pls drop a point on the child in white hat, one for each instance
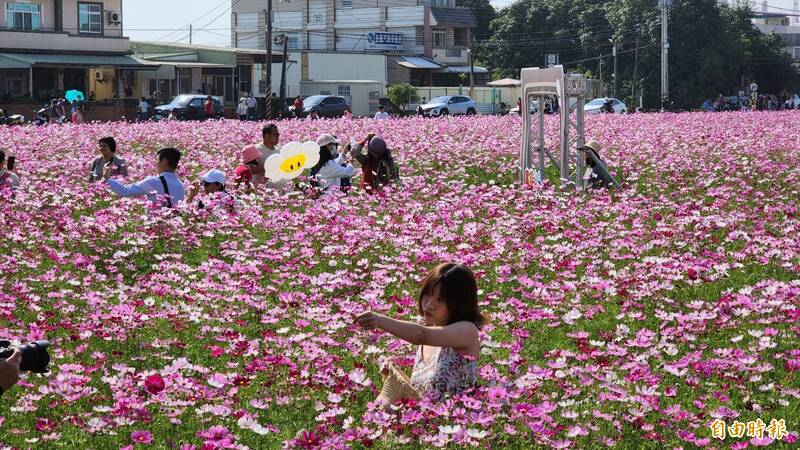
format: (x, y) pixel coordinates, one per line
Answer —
(213, 184)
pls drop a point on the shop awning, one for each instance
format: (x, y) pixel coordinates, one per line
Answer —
(463, 69)
(416, 62)
(26, 60)
(187, 64)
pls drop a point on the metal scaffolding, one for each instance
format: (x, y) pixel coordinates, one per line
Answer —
(570, 90)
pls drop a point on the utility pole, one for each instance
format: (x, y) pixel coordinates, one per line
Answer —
(616, 74)
(600, 69)
(664, 52)
(283, 70)
(268, 92)
(471, 73)
(190, 34)
(635, 70)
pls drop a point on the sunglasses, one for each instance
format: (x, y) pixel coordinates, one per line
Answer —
(252, 163)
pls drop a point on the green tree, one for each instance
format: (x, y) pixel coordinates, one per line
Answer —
(484, 13)
(713, 48)
(402, 94)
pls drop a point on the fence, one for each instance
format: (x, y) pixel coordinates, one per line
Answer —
(487, 98)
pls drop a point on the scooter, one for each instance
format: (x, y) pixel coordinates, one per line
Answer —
(14, 119)
(42, 118)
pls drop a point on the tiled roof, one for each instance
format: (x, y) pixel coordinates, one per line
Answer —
(462, 17)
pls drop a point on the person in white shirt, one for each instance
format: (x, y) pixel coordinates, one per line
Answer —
(8, 179)
(142, 109)
(382, 114)
(333, 166)
(270, 136)
(218, 200)
(252, 103)
(166, 186)
(241, 109)
(269, 141)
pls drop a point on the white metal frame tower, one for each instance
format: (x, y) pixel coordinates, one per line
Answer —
(570, 90)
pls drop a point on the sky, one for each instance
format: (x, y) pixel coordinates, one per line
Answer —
(168, 20)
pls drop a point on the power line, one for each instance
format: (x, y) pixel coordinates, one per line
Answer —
(195, 20)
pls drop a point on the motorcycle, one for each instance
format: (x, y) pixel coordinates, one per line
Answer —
(13, 119)
(42, 117)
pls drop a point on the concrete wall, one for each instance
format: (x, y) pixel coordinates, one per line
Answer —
(327, 66)
(343, 66)
(17, 41)
(363, 97)
(47, 14)
(68, 40)
(71, 16)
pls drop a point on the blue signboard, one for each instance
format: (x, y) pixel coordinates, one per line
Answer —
(384, 41)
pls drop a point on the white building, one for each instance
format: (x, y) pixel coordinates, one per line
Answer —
(421, 42)
(780, 24)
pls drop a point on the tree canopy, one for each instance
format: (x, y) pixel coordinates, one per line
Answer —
(713, 48)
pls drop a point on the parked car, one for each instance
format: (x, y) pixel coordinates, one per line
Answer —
(450, 105)
(189, 107)
(596, 106)
(325, 105)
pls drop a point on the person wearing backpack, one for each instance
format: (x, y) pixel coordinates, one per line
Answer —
(377, 164)
(166, 185)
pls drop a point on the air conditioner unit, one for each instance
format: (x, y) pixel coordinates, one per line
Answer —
(114, 18)
(98, 75)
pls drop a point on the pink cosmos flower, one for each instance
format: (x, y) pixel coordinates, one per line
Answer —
(154, 384)
(142, 437)
(763, 442)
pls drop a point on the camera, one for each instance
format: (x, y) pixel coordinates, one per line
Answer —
(34, 355)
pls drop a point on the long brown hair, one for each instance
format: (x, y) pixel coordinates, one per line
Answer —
(458, 289)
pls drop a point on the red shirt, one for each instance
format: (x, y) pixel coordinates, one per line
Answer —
(209, 108)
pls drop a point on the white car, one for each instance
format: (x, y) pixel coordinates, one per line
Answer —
(596, 106)
(450, 105)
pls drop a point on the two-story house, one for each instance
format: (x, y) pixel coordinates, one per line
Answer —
(50, 46)
(422, 42)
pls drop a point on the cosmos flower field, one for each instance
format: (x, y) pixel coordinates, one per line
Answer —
(627, 319)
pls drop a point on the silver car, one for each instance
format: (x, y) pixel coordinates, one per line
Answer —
(450, 105)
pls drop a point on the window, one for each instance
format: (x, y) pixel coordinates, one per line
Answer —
(343, 90)
(90, 18)
(317, 18)
(347, 3)
(24, 16)
(439, 37)
(797, 53)
(294, 41)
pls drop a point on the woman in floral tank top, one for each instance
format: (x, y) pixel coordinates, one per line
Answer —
(446, 360)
